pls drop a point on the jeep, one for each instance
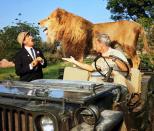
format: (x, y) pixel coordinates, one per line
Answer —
(75, 105)
(59, 105)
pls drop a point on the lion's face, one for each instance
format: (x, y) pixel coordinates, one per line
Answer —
(51, 23)
(47, 25)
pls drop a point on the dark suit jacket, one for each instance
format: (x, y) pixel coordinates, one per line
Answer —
(22, 61)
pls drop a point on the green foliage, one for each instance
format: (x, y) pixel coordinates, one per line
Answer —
(146, 22)
(52, 71)
(147, 60)
(52, 58)
(141, 11)
(8, 73)
(151, 36)
(51, 53)
(131, 9)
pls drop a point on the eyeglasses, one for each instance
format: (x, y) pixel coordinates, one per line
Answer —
(27, 35)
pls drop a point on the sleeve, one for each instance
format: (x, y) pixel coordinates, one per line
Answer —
(120, 55)
(44, 64)
(20, 67)
(101, 64)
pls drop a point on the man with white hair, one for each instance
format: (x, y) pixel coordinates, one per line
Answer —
(29, 61)
(113, 57)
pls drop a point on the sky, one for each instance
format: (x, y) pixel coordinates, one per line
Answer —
(34, 10)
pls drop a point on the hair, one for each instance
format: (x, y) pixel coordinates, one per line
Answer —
(104, 38)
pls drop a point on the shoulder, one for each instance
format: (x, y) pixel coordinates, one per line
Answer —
(119, 54)
(116, 52)
(21, 51)
(37, 49)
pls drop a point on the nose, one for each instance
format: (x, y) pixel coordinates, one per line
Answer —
(38, 23)
(45, 29)
(94, 46)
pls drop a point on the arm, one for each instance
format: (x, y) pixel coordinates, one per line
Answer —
(120, 60)
(79, 64)
(122, 66)
(20, 67)
(41, 59)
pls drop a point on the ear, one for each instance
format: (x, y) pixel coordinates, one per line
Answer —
(96, 32)
(59, 13)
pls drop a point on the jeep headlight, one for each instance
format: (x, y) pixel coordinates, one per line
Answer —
(90, 115)
(46, 123)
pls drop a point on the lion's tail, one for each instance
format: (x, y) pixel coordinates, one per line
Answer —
(145, 42)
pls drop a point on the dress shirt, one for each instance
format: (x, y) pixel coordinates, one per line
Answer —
(29, 51)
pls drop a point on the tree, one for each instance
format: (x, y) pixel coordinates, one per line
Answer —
(142, 10)
(8, 36)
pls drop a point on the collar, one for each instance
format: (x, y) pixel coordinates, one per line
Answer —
(107, 53)
(27, 47)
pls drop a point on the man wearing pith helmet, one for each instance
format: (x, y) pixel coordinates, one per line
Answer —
(29, 61)
(21, 36)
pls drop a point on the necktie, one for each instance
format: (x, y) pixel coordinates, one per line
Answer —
(32, 51)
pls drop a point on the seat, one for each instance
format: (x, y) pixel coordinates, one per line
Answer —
(133, 85)
(73, 73)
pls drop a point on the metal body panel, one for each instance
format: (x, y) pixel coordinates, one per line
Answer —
(25, 103)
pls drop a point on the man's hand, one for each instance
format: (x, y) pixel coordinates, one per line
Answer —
(71, 59)
(39, 59)
(34, 63)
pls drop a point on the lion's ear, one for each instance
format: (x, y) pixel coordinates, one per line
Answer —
(59, 14)
(58, 17)
(96, 32)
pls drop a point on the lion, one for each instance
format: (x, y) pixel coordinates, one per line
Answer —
(77, 34)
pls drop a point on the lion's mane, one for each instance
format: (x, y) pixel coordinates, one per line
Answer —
(73, 31)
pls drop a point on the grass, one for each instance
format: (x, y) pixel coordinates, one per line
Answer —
(50, 72)
(8, 73)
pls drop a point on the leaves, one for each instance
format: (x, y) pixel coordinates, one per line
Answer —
(131, 9)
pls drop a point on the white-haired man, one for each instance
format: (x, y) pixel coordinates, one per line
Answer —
(114, 58)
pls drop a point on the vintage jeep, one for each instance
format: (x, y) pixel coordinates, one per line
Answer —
(75, 105)
(60, 105)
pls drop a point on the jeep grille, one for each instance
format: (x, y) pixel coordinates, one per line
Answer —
(15, 120)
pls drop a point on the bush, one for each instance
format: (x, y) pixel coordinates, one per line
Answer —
(52, 58)
(148, 60)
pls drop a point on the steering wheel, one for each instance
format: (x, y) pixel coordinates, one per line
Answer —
(107, 76)
(128, 70)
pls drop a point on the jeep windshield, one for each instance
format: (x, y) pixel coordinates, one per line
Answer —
(55, 90)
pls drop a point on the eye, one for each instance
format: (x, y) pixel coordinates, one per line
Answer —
(48, 18)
